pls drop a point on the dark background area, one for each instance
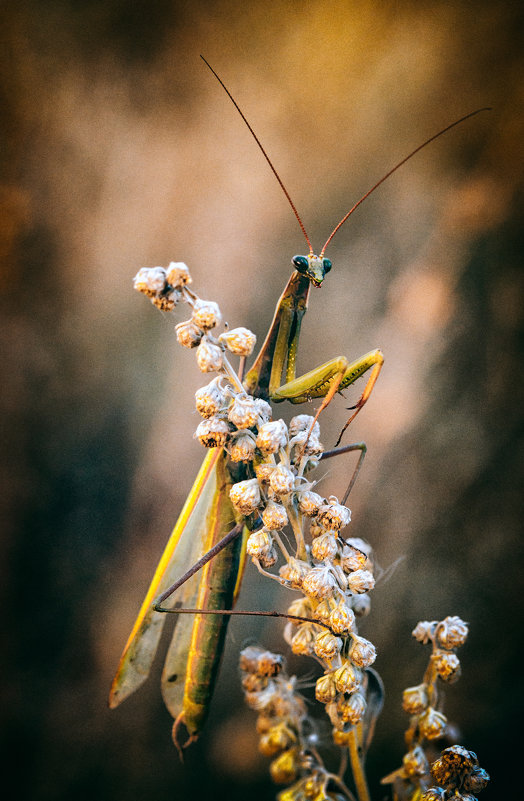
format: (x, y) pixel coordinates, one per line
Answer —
(119, 150)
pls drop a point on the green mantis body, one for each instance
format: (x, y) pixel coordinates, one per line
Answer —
(194, 655)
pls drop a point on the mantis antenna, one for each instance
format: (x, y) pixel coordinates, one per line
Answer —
(367, 194)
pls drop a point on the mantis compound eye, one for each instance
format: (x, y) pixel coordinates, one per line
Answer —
(327, 265)
(301, 263)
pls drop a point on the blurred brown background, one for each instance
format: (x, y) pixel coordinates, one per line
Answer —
(120, 150)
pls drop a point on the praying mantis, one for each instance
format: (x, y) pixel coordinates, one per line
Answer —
(208, 525)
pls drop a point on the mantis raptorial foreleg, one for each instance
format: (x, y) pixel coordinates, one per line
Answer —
(328, 379)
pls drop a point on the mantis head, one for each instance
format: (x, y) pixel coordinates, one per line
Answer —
(314, 267)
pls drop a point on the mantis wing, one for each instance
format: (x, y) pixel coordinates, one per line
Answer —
(185, 546)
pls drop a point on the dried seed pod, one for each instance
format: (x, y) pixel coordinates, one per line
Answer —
(325, 689)
(360, 581)
(352, 709)
(213, 432)
(453, 765)
(326, 645)
(347, 678)
(315, 529)
(243, 411)
(424, 631)
(447, 665)
(239, 341)
(177, 274)
(269, 664)
(243, 448)
(206, 314)
(309, 502)
(324, 547)
(209, 356)
(150, 281)
(274, 516)
(362, 652)
(303, 422)
(342, 619)
(415, 762)
(432, 724)
(245, 496)
(333, 515)
(415, 699)
(282, 480)
(187, 334)
(434, 794)
(272, 436)
(452, 632)
(324, 609)
(268, 558)
(210, 400)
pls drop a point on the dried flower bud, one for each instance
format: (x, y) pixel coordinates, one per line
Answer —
(333, 515)
(432, 724)
(324, 547)
(245, 496)
(263, 472)
(167, 300)
(453, 765)
(309, 503)
(213, 432)
(434, 794)
(259, 543)
(272, 436)
(187, 334)
(352, 559)
(477, 780)
(300, 607)
(424, 631)
(302, 642)
(206, 314)
(447, 665)
(415, 699)
(282, 481)
(342, 619)
(239, 341)
(324, 609)
(243, 412)
(352, 709)
(362, 652)
(319, 582)
(294, 572)
(361, 604)
(268, 558)
(210, 400)
(274, 516)
(360, 581)
(347, 678)
(269, 664)
(315, 529)
(251, 683)
(276, 739)
(177, 274)
(325, 689)
(415, 762)
(452, 632)
(209, 356)
(327, 646)
(284, 768)
(150, 281)
(265, 412)
(303, 422)
(243, 448)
